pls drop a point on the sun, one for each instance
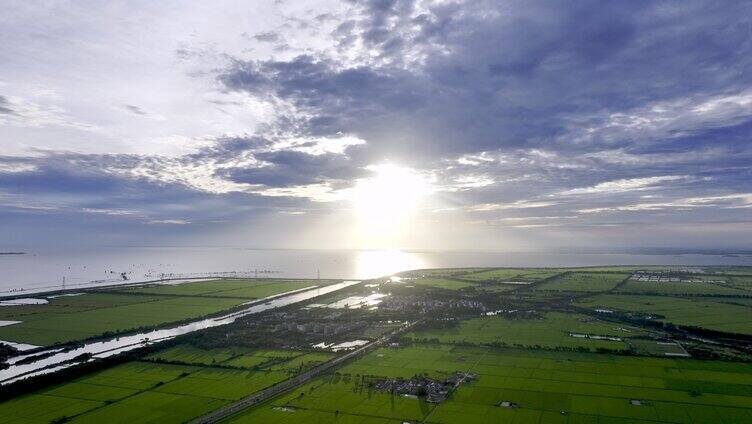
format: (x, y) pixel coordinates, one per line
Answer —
(387, 202)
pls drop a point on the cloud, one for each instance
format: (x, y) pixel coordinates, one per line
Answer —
(538, 115)
(267, 37)
(623, 185)
(5, 107)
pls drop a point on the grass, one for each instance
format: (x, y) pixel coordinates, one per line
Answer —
(589, 388)
(552, 331)
(72, 318)
(713, 315)
(584, 282)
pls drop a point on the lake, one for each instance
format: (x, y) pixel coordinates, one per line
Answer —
(40, 270)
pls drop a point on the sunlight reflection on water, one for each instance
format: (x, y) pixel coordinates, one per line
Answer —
(382, 263)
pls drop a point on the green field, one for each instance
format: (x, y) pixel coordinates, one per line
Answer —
(583, 282)
(512, 274)
(551, 331)
(72, 318)
(144, 391)
(441, 283)
(244, 289)
(679, 288)
(138, 392)
(698, 312)
(547, 387)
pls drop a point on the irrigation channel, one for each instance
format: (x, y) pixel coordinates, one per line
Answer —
(297, 381)
(55, 359)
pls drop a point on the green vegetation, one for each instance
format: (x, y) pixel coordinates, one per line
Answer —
(584, 282)
(194, 383)
(696, 312)
(244, 289)
(679, 288)
(542, 387)
(578, 345)
(71, 318)
(512, 274)
(137, 392)
(552, 330)
(440, 283)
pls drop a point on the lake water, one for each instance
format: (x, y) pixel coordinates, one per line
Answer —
(46, 269)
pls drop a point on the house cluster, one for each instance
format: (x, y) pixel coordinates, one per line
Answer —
(422, 304)
(319, 327)
(668, 277)
(434, 391)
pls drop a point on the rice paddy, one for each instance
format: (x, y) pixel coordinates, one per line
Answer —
(584, 282)
(537, 387)
(552, 330)
(699, 312)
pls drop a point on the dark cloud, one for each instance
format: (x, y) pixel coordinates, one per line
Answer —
(5, 106)
(135, 110)
(267, 37)
(569, 114)
(292, 168)
(523, 76)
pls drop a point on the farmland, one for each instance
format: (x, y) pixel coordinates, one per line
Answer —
(70, 318)
(680, 288)
(197, 382)
(699, 312)
(538, 386)
(442, 283)
(552, 330)
(584, 282)
(511, 274)
(579, 345)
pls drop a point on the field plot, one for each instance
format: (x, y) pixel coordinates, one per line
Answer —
(192, 355)
(497, 287)
(137, 391)
(537, 387)
(741, 282)
(554, 330)
(302, 362)
(440, 272)
(679, 288)
(246, 289)
(512, 274)
(658, 348)
(713, 315)
(441, 283)
(584, 282)
(71, 318)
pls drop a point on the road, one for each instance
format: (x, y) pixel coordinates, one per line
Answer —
(298, 380)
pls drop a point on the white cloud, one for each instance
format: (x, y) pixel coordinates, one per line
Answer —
(618, 186)
(731, 201)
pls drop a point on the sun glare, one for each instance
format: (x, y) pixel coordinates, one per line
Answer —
(386, 202)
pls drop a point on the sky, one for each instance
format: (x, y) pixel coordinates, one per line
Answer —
(436, 125)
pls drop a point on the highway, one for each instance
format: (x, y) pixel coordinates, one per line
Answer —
(297, 381)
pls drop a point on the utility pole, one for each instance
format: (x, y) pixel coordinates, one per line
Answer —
(63, 282)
